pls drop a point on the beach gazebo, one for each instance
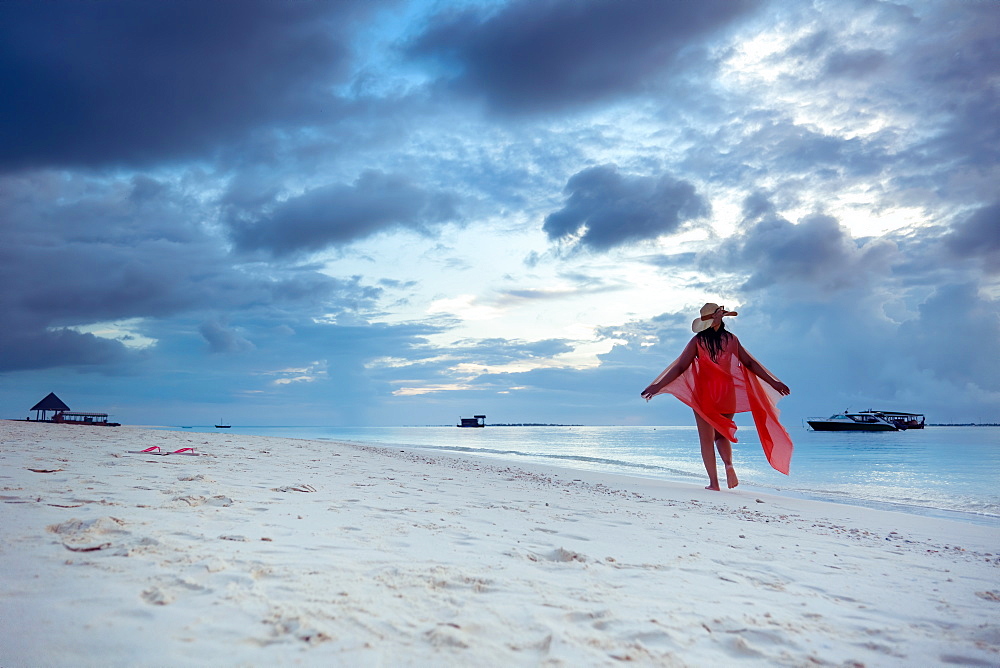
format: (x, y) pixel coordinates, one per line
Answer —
(49, 403)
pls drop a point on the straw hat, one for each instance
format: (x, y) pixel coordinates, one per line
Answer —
(699, 325)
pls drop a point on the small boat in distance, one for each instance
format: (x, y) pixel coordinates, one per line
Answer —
(474, 421)
(868, 421)
(223, 425)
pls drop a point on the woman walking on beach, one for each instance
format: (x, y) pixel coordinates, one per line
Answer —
(718, 378)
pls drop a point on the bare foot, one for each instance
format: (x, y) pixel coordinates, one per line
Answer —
(714, 487)
(731, 478)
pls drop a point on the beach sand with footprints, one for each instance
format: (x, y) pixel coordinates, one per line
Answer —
(272, 551)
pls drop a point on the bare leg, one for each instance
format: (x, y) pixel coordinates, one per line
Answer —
(725, 449)
(706, 435)
(711, 440)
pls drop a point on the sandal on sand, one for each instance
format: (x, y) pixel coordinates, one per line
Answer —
(154, 450)
(183, 451)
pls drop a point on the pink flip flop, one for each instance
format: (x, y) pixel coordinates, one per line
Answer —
(183, 451)
(152, 450)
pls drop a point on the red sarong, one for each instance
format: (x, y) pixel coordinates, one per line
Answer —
(715, 388)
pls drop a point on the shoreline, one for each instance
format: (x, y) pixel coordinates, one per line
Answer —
(826, 496)
(281, 550)
(632, 469)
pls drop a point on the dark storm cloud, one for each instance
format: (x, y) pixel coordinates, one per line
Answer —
(860, 63)
(548, 55)
(957, 336)
(28, 346)
(758, 206)
(93, 83)
(223, 339)
(939, 67)
(941, 353)
(338, 214)
(817, 253)
(956, 75)
(82, 251)
(805, 154)
(978, 236)
(608, 209)
(858, 322)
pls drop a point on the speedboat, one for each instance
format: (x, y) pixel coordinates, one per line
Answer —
(868, 421)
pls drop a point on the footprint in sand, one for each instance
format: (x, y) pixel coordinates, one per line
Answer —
(90, 535)
(557, 555)
(156, 596)
(195, 501)
(166, 593)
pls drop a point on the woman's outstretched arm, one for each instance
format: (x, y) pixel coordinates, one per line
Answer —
(675, 370)
(747, 360)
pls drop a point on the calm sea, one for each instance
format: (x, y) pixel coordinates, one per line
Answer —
(942, 471)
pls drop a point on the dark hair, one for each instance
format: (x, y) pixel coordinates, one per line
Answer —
(714, 340)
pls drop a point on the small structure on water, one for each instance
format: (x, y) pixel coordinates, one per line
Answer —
(474, 421)
(63, 415)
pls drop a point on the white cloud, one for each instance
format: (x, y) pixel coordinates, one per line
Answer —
(464, 307)
(127, 332)
(308, 374)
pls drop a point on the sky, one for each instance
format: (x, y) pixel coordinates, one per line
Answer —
(391, 212)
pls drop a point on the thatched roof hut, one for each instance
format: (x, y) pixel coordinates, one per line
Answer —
(49, 403)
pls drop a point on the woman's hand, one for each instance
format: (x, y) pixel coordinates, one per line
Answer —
(648, 393)
(781, 388)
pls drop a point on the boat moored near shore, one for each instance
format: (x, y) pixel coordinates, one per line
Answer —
(869, 420)
(68, 417)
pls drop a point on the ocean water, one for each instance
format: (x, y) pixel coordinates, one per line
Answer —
(940, 471)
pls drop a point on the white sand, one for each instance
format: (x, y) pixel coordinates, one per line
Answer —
(266, 551)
